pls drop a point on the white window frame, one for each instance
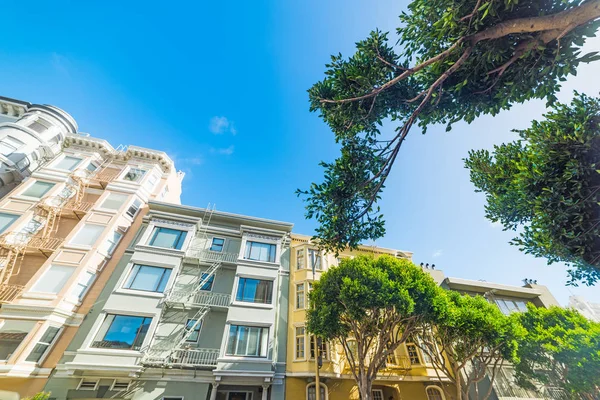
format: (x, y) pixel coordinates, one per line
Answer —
(87, 288)
(296, 298)
(132, 205)
(440, 391)
(115, 194)
(129, 168)
(54, 165)
(40, 121)
(303, 266)
(87, 379)
(50, 345)
(109, 251)
(378, 391)
(45, 272)
(112, 387)
(212, 242)
(34, 181)
(228, 326)
(418, 353)
(296, 358)
(79, 231)
(326, 356)
(199, 331)
(11, 143)
(100, 321)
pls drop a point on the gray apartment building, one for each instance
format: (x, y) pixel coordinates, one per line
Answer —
(196, 309)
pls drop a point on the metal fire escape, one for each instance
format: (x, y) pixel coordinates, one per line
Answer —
(172, 350)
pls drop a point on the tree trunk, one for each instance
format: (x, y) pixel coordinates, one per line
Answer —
(364, 386)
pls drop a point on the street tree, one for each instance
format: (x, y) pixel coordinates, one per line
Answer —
(454, 61)
(562, 350)
(472, 342)
(548, 184)
(370, 307)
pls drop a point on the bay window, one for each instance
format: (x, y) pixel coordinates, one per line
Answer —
(255, 291)
(247, 341)
(126, 332)
(68, 163)
(43, 345)
(87, 235)
(148, 279)
(54, 279)
(12, 333)
(38, 189)
(260, 251)
(168, 238)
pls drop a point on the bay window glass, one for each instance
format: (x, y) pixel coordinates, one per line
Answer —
(88, 235)
(84, 283)
(300, 296)
(148, 279)
(42, 346)
(114, 201)
(134, 174)
(126, 332)
(38, 189)
(6, 220)
(193, 337)
(68, 163)
(134, 208)
(248, 341)
(300, 259)
(314, 257)
(9, 145)
(413, 354)
(12, 333)
(208, 283)
(260, 251)
(54, 279)
(39, 125)
(254, 291)
(112, 241)
(168, 238)
(508, 306)
(217, 244)
(151, 182)
(300, 341)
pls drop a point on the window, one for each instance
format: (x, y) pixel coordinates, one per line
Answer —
(38, 189)
(300, 295)
(6, 220)
(54, 279)
(91, 167)
(300, 342)
(311, 392)
(134, 175)
(9, 145)
(391, 359)
(208, 284)
(254, 291)
(31, 227)
(112, 241)
(377, 394)
(217, 244)
(151, 182)
(43, 345)
(247, 341)
(323, 350)
(12, 334)
(508, 306)
(300, 259)
(195, 333)
(114, 201)
(88, 384)
(134, 207)
(125, 332)
(23, 163)
(353, 347)
(148, 279)
(68, 163)
(87, 235)
(413, 354)
(39, 125)
(84, 283)
(260, 251)
(314, 257)
(434, 393)
(120, 384)
(167, 237)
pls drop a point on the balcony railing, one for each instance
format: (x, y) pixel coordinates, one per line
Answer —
(211, 256)
(30, 242)
(183, 358)
(504, 388)
(9, 292)
(399, 362)
(107, 174)
(201, 298)
(78, 207)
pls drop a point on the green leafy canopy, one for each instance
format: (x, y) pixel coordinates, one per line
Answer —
(453, 61)
(548, 183)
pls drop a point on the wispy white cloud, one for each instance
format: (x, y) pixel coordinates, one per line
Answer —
(496, 224)
(60, 63)
(437, 253)
(227, 151)
(220, 125)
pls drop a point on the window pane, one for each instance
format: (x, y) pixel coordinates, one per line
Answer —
(41, 347)
(247, 341)
(68, 163)
(114, 201)
(169, 238)
(38, 126)
(12, 334)
(150, 279)
(112, 241)
(88, 235)
(300, 295)
(217, 244)
(300, 259)
(254, 290)
(38, 189)
(134, 207)
(9, 144)
(122, 332)
(83, 284)
(6, 220)
(134, 175)
(54, 279)
(260, 251)
(196, 333)
(209, 283)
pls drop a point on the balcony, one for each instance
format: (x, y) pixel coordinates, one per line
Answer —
(27, 243)
(77, 209)
(398, 363)
(106, 175)
(200, 298)
(9, 292)
(211, 256)
(184, 358)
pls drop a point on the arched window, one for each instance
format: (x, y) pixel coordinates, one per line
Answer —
(434, 393)
(311, 393)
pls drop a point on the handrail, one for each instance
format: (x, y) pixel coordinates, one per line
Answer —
(182, 357)
(212, 256)
(82, 206)
(204, 298)
(107, 174)
(29, 241)
(9, 292)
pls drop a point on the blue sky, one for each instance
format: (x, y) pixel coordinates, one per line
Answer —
(221, 87)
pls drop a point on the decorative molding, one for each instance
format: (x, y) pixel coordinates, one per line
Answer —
(174, 223)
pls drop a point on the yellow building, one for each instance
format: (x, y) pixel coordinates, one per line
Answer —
(409, 375)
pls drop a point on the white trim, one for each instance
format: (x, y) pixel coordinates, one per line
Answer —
(89, 380)
(439, 389)
(112, 387)
(321, 385)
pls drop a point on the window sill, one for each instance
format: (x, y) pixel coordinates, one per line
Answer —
(141, 293)
(39, 295)
(72, 246)
(246, 304)
(111, 352)
(252, 359)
